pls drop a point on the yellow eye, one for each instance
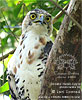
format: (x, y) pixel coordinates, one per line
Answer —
(48, 18)
(33, 16)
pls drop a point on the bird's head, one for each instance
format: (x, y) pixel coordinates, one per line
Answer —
(38, 21)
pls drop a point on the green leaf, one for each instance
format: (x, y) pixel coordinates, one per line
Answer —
(17, 9)
(9, 57)
(65, 2)
(57, 25)
(2, 24)
(4, 88)
(29, 1)
(7, 60)
(3, 2)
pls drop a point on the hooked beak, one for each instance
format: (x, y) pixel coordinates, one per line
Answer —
(40, 20)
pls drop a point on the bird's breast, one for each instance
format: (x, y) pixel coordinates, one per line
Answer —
(29, 51)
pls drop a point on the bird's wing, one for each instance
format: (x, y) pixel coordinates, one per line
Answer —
(46, 51)
(48, 47)
(11, 80)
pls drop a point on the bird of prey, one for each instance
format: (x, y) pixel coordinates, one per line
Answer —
(28, 64)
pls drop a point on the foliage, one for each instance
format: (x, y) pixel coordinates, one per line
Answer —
(12, 12)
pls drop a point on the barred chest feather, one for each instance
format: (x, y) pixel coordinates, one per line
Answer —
(27, 66)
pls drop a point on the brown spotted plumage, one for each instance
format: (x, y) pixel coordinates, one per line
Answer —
(37, 46)
(42, 40)
(21, 42)
(28, 63)
(21, 61)
(15, 70)
(20, 56)
(18, 65)
(30, 55)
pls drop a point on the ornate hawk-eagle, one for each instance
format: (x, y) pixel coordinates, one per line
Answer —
(28, 63)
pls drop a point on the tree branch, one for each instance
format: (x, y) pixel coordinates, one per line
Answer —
(59, 14)
(9, 27)
(17, 26)
(78, 25)
(6, 55)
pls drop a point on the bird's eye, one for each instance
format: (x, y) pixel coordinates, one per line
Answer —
(33, 16)
(48, 18)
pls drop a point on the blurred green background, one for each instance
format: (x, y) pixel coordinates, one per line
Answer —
(12, 13)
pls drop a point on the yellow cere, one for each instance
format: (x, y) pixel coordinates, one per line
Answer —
(40, 15)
